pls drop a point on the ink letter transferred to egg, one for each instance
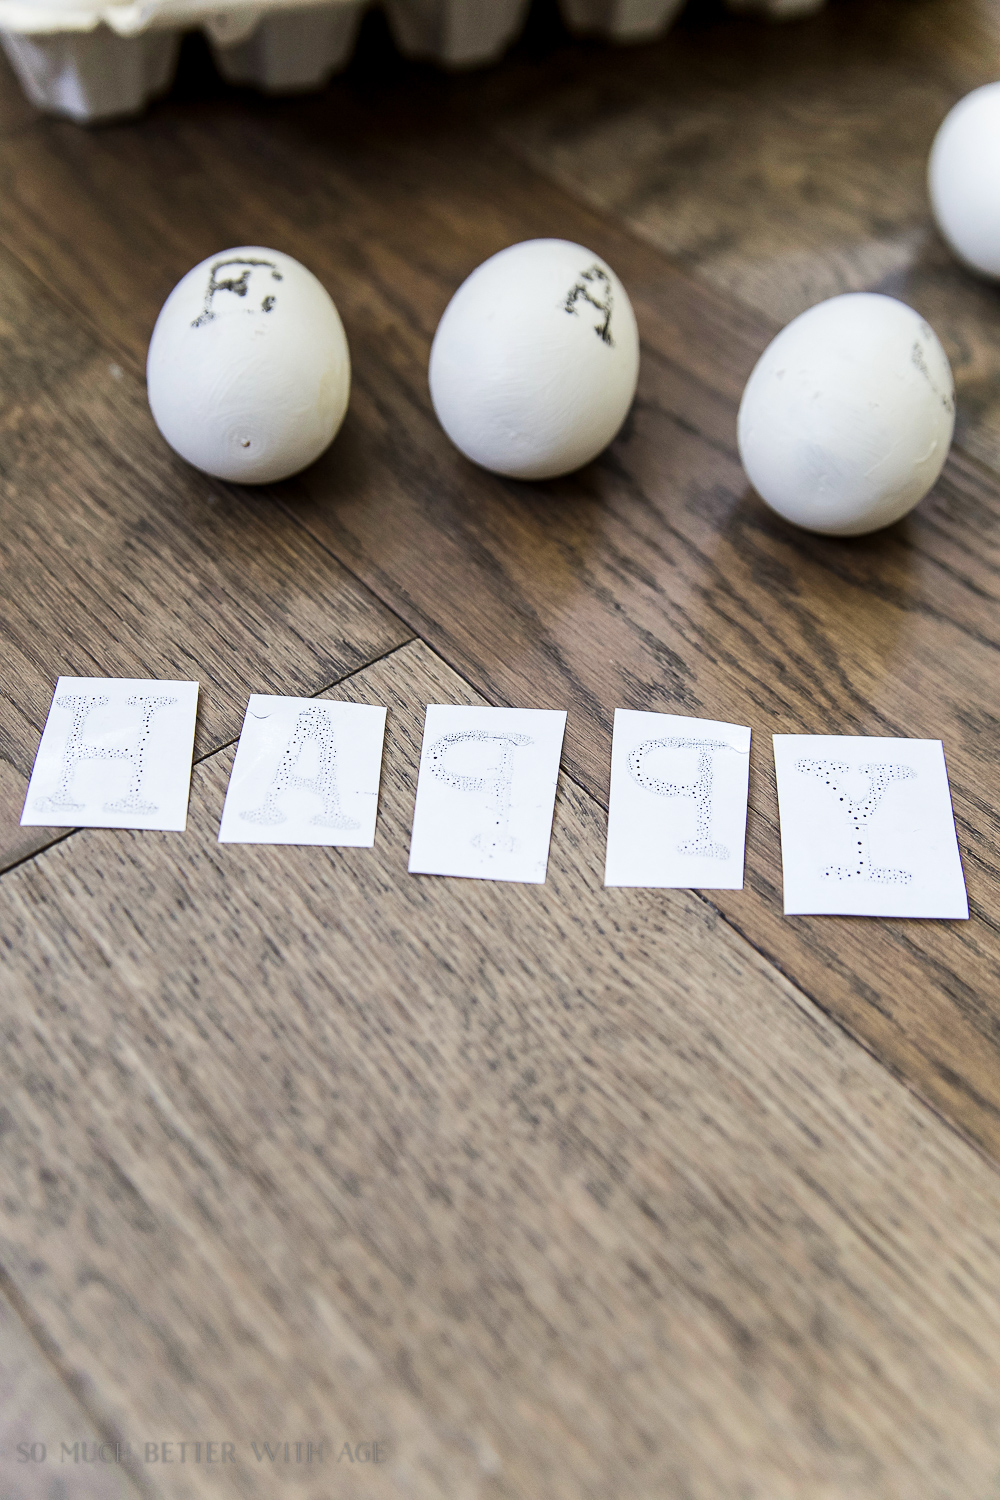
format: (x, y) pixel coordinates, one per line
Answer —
(867, 827)
(115, 753)
(678, 811)
(535, 360)
(486, 792)
(248, 370)
(307, 771)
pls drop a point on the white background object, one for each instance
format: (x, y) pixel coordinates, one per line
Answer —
(458, 33)
(486, 792)
(624, 20)
(872, 843)
(115, 753)
(535, 361)
(678, 810)
(291, 50)
(248, 370)
(848, 416)
(307, 771)
(964, 179)
(102, 60)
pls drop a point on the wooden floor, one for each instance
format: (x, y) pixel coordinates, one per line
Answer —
(552, 1193)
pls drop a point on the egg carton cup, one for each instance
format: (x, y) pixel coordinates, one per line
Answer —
(107, 61)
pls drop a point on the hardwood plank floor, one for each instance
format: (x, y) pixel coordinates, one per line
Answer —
(558, 1191)
(553, 1191)
(43, 1429)
(653, 579)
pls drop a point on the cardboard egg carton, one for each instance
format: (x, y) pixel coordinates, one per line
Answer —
(106, 60)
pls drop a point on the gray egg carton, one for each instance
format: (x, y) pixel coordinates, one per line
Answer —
(107, 62)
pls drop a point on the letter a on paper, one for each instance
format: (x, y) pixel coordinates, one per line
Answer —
(306, 771)
(314, 726)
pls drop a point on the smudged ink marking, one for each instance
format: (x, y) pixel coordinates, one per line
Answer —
(238, 285)
(495, 784)
(860, 811)
(946, 399)
(314, 724)
(589, 288)
(699, 790)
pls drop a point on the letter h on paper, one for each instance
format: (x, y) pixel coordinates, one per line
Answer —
(78, 749)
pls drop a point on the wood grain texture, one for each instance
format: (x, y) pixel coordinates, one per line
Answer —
(654, 579)
(38, 1416)
(117, 560)
(556, 1191)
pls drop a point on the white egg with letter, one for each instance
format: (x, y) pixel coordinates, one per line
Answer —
(848, 416)
(248, 372)
(535, 361)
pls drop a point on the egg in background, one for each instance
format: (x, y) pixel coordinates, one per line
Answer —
(248, 372)
(848, 416)
(535, 361)
(963, 178)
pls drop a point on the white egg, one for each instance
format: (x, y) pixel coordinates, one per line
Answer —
(963, 176)
(847, 418)
(248, 370)
(535, 361)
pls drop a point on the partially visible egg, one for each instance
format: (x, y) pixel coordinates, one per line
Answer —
(848, 416)
(963, 177)
(535, 361)
(248, 370)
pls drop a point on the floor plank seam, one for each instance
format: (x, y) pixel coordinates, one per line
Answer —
(42, 129)
(207, 755)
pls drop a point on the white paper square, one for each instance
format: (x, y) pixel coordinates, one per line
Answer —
(115, 753)
(307, 771)
(867, 827)
(486, 792)
(678, 810)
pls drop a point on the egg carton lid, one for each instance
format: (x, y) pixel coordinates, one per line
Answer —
(226, 21)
